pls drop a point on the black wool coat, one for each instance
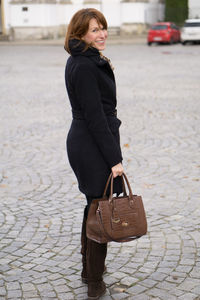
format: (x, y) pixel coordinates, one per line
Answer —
(93, 142)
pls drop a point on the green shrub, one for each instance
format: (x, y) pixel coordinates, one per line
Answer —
(176, 11)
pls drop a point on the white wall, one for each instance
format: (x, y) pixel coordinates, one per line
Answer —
(37, 15)
(112, 11)
(142, 12)
(194, 8)
(154, 13)
(116, 12)
(44, 14)
(132, 12)
(110, 8)
(0, 20)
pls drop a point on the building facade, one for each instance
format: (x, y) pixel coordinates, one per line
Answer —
(43, 19)
(194, 9)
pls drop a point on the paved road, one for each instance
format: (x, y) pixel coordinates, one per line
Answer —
(41, 207)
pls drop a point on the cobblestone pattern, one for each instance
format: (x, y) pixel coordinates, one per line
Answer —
(41, 207)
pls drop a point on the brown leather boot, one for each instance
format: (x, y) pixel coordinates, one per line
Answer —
(96, 290)
(84, 276)
(96, 254)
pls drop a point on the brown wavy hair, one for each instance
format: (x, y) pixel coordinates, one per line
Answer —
(79, 24)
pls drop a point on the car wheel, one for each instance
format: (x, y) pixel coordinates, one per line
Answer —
(184, 43)
(149, 43)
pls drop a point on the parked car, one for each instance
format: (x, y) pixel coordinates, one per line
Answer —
(190, 31)
(163, 32)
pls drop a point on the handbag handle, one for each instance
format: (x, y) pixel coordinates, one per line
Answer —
(110, 178)
(127, 182)
(107, 183)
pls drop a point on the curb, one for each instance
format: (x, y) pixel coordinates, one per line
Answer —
(59, 42)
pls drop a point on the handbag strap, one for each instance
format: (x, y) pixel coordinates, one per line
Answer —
(127, 182)
(108, 181)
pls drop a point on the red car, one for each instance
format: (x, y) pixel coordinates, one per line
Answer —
(163, 32)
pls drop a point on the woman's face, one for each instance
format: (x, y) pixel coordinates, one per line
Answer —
(96, 35)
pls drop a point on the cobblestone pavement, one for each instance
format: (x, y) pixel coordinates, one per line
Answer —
(41, 207)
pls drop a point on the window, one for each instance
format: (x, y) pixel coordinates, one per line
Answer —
(173, 26)
(159, 27)
(192, 24)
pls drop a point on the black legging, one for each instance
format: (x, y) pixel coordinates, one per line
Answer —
(89, 201)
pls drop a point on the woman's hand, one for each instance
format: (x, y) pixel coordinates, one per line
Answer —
(117, 170)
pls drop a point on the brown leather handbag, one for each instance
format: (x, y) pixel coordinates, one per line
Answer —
(119, 219)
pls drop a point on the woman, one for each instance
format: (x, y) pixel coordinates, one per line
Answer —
(93, 144)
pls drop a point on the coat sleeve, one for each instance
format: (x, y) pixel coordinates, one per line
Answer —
(89, 98)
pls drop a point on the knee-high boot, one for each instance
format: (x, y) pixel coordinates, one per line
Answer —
(84, 240)
(96, 255)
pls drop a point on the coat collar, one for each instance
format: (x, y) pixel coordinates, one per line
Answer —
(77, 48)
